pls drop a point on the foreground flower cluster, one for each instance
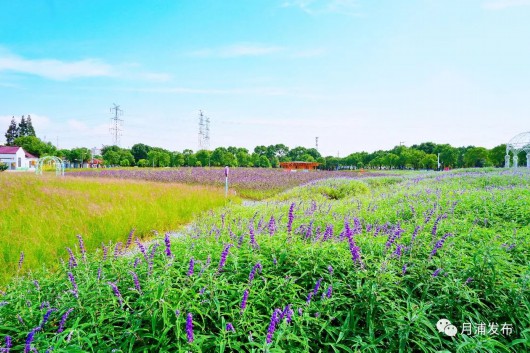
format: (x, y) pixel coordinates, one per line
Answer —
(372, 272)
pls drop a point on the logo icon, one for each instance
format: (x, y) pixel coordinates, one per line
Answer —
(445, 326)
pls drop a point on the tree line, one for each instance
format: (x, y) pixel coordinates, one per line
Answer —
(419, 156)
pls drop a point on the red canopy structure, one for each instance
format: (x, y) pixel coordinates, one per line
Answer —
(299, 165)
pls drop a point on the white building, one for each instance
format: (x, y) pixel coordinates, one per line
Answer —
(17, 159)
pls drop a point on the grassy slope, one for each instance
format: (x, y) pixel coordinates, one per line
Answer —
(374, 307)
(42, 215)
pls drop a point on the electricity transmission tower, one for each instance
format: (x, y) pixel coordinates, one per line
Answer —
(316, 143)
(204, 131)
(116, 124)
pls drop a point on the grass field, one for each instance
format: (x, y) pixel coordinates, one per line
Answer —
(341, 265)
(40, 216)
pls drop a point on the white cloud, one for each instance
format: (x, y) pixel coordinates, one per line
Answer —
(503, 4)
(61, 70)
(55, 69)
(238, 50)
(314, 7)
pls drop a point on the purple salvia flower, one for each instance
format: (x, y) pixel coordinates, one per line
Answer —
(116, 291)
(328, 233)
(272, 326)
(208, 261)
(230, 327)
(240, 240)
(404, 269)
(136, 262)
(289, 315)
(300, 311)
(354, 249)
(469, 280)
(99, 273)
(244, 300)
(224, 254)
(222, 220)
(203, 289)
(308, 299)
(20, 319)
(71, 260)
(437, 272)
(257, 267)
(414, 234)
(191, 267)
(317, 286)
(117, 249)
(82, 246)
(399, 250)
(105, 251)
(260, 225)
(309, 231)
(29, 340)
(130, 238)
(45, 318)
(439, 244)
(329, 292)
(291, 219)
(167, 241)
(285, 312)
(136, 281)
(9, 344)
(21, 260)
(177, 313)
(141, 247)
(36, 283)
(69, 337)
(274, 261)
(272, 226)
(74, 285)
(189, 327)
(252, 236)
(330, 270)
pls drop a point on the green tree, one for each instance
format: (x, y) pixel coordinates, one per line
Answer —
(31, 130)
(11, 133)
(35, 146)
(139, 151)
(204, 157)
(243, 158)
(125, 163)
(496, 155)
(264, 162)
(111, 157)
(429, 161)
(22, 127)
(476, 157)
(142, 163)
(177, 159)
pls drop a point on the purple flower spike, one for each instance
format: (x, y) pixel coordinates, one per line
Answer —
(105, 251)
(46, 317)
(469, 280)
(82, 246)
(167, 241)
(189, 327)
(9, 344)
(224, 254)
(177, 313)
(330, 270)
(136, 281)
(230, 327)
(439, 244)
(329, 292)
(29, 340)
(354, 249)
(253, 242)
(71, 260)
(244, 300)
(317, 286)
(257, 267)
(272, 326)
(291, 219)
(21, 260)
(74, 285)
(300, 311)
(437, 272)
(191, 268)
(130, 238)
(272, 226)
(116, 291)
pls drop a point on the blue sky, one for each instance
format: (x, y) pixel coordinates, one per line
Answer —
(359, 74)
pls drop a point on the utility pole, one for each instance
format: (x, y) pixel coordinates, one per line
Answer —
(115, 128)
(401, 143)
(316, 142)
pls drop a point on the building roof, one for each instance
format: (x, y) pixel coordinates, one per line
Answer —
(8, 149)
(14, 150)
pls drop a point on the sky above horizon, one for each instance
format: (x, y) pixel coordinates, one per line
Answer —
(361, 75)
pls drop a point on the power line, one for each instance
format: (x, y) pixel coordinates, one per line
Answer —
(116, 124)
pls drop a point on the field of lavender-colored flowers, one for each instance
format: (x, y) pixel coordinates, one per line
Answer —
(252, 183)
(372, 270)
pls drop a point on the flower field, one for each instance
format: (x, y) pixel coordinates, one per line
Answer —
(338, 265)
(251, 183)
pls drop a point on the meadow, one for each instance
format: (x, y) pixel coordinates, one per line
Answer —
(249, 183)
(41, 216)
(338, 265)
